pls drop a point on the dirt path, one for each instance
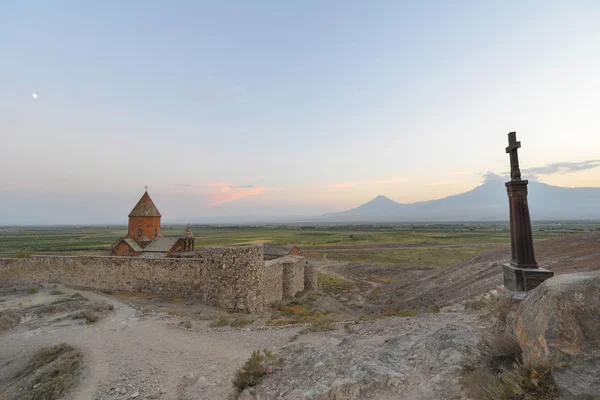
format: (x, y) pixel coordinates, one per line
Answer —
(125, 354)
(372, 285)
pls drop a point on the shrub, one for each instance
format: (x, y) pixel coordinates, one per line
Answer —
(185, 324)
(175, 314)
(54, 370)
(32, 290)
(321, 325)
(202, 317)
(237, 321)
(333, 284)
(254, 369)
(349, 328)
(499, 374)
(9, 319)
(88, 314)
(55, 292)
(520, 382)
(23, 254)
(240, 321)
(223, 320)
(406, 312)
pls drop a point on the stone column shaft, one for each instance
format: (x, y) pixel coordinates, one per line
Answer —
(521, 237)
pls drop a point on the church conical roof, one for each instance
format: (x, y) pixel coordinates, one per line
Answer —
(188, 233)
(145, 208)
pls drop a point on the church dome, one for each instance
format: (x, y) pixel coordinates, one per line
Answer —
(145, 208)
(188, 234)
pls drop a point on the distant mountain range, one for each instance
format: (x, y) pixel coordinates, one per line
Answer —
(488, 202)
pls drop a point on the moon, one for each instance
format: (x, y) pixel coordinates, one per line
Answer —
(34, 96)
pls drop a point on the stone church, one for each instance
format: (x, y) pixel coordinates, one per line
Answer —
(143, 235)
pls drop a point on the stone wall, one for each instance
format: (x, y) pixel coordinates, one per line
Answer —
(293, 275)
(168, 277)
(234, 278)
(310, 278)
(273, 282)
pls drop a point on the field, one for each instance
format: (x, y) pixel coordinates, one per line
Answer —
(432, 245)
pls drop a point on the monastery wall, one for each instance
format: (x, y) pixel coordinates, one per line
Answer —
(310, 278)
(273, 282)
(293, 275)
(165, 277)
(234, 278)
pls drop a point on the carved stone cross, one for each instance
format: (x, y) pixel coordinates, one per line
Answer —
(513, 146)
(522, 273)
(146, 187)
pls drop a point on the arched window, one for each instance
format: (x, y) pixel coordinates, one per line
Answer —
(155, 232)
(140, 232)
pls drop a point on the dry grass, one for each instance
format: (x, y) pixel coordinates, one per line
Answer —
(88, 314)
(369, 317)
(333, 284)
(132, 296)
(255, 368)
(379, 279)
(175, 314)
(237, 321)
(50, 373)
(9, 319)
(432, 257)
(185, 324)
(407, 312)
(298, 311)
(497, 308)
(521, 382)
(321, 325)
(500, 374)
(177, 300)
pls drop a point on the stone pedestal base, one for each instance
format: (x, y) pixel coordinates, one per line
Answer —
(524, 279)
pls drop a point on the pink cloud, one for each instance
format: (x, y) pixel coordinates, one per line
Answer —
(340, 186)
(221, 192)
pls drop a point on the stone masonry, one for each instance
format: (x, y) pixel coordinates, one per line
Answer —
(234, 278)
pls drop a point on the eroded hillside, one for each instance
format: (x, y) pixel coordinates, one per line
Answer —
(406, 286)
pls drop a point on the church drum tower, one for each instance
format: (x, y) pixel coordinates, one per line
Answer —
(144, 221)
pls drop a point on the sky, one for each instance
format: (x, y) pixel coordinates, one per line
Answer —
(287, 108)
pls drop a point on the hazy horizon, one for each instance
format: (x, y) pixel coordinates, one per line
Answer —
(278, 109)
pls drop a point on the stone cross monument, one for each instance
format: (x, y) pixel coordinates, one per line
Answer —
(522, 273)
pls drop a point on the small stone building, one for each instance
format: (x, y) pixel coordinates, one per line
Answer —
(273, 251)
(143, 234)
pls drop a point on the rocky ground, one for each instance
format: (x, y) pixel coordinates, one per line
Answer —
(134, 353)
(136, 347)
(396, 358)
(128, 355)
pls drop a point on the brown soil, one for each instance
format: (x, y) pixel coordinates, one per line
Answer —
(421, 288)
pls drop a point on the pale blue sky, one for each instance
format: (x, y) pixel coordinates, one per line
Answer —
(318, 106)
